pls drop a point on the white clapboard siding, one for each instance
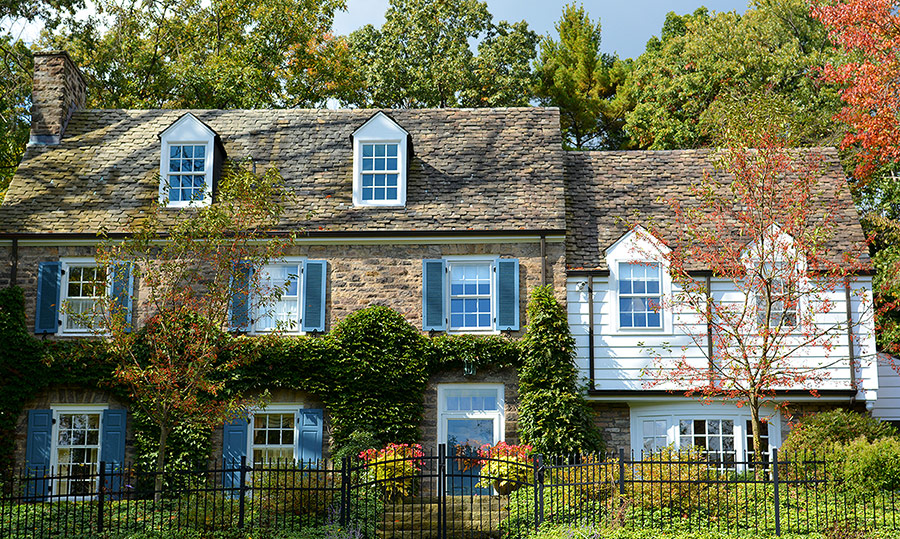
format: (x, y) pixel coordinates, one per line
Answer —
(628, 360)
(887, 407)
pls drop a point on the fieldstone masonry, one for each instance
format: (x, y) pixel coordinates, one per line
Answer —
(614, 420)
(59, 89)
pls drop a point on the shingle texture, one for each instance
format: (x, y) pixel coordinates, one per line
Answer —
(608, 192)
(478, 169)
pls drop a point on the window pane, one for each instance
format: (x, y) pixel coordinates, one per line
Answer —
(187, 151)
(199, 151)
(379, 150)
(392, 150)
(368, 150)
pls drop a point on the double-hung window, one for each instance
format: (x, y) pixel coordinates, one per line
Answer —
(774, 297)
(186, 163)
(379, 163)
(380, 172)
(84, 286)
(470, 296)
(281, 284)
(715, 436)
(273, 437)
(639, 295)
(465, 294)
(77, 452)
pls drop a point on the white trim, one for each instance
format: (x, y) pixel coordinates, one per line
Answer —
(491, 261)
(498, 416)
(301, 291)
(637, 246)
(380, 129)
(387, 239)
(673, 412)
(276, 408)
(65, 264)
(56, 410)
(187, 130)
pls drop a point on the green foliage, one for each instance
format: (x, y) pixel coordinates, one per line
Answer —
(701, 58)
(823, 430)
(286, 493)
(872, 466)
(421, 57)
(219, 54)
(584, 83)
(16, 66)
(554, 417)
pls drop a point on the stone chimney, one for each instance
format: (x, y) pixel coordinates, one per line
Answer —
(59, 89)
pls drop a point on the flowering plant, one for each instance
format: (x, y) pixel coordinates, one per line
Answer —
(395, 467)
(505, 467)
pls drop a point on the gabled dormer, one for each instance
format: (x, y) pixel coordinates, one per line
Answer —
(190, 155)
(380, 162)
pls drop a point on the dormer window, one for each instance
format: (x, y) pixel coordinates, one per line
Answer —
(186, 163)
(379, 163)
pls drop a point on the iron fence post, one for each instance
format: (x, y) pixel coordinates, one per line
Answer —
(100, 484)
(345, 490)
(442, 491)
(242, 491)
(621, 471)
(775, 484)
(538, 492)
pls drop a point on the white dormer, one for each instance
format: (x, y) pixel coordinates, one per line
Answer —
(379, 162)
(186, 163)
(639, 281)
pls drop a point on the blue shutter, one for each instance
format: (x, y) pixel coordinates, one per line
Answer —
(508, 294)
(112, 450)
(122, 290)
(46, 316)
(314, 277)
(240, 297)
(234, 446)
(434, 286)
(309, 442)
(37, 453)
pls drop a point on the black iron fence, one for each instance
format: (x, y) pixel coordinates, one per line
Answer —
(448, 495)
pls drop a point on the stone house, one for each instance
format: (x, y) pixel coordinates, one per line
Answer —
(450, 217)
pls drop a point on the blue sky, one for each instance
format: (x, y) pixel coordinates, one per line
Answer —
(627, 25)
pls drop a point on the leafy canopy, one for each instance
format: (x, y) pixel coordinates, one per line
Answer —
(422, 57)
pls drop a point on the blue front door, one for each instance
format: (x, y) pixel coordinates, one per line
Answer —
(471, 416)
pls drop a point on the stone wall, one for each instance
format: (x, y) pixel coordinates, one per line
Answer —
(614, 420)
(507, 377)
(67, 395)
(358, 275)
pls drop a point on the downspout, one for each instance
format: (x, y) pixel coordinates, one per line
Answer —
(590, 292)
(709, 329)
(543, 259)
(14, 263)
(850, 353)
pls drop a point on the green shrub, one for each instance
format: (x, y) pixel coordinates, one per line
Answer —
(357, 442)
(872, 466)
(554, 418)
(520, 520)
(820, 432)
(672, 478)
(207, 511)
(283, 492)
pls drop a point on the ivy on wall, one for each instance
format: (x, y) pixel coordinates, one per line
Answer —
(370, 372)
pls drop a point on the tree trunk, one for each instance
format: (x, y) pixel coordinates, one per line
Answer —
(757, 438)
(160, 463)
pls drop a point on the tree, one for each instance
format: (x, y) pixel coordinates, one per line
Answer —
(776, 47)
(554, 417)
(421, 57)
(584, 83)
(15, 97)
(764, 234)
(195, 54)
(190, 269)
(868, 35)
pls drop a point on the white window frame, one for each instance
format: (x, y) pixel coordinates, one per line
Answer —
(498, 416)
(674, 412)
(638, 247)
(619, 295)
(276, 408)
(300, 261)
(380, 129)
(56, 410)
(187, 130)
(65, 266)
(472, 260)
